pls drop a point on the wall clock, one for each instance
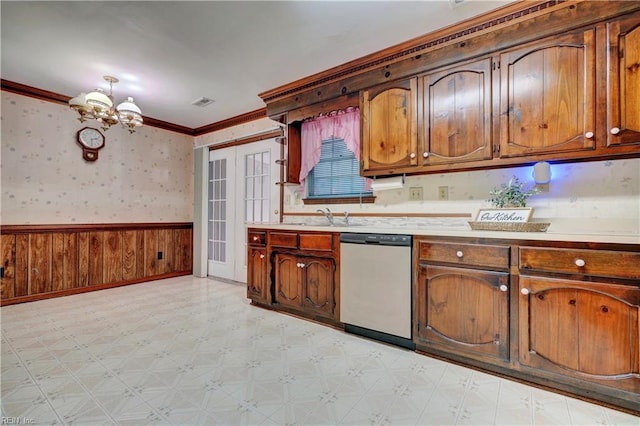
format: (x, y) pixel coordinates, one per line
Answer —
(91, 140)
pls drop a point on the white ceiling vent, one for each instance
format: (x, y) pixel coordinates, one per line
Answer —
(202, 102)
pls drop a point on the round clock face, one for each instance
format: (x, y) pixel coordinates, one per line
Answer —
(91, 138)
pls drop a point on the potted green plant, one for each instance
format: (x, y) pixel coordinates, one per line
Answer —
(511, 194)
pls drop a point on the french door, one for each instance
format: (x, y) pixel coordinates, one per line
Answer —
(241, 190)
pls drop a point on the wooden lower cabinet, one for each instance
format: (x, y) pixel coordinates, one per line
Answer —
(461, 299)
(463, 311)
(586, 330)
(564, 315)
(287, 280)
(257, 275)
(318, 286)
(295, 272)
(305, 283)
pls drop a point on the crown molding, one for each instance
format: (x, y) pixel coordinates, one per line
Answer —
(45, 95)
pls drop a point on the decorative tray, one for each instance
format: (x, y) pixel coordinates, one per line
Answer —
(510, 226)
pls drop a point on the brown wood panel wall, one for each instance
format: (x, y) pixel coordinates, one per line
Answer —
(42, 261)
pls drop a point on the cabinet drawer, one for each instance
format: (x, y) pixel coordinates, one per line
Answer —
(257, 238)
(465, 254)
(320, 242)
(283, 239)
(605, 263)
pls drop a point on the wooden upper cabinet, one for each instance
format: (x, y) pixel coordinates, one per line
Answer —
(547, 102)
(457, 114)
(623, 94)
(389, 126)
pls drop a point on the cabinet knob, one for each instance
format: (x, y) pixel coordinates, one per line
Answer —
(525, 291)
(425, 154)
(459, 253)
(588, 135)
(615, 131)
(504, 288)
(262, 256)
(580, 263)
(412, 155)
(255, 238)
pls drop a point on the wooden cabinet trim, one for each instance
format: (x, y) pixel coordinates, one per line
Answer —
(88, 227)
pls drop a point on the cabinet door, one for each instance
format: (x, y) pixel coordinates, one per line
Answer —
(464, 311)
(585, 329)
(257, 279)
(457, 109)
(623, 118)
(548, 96)
(318, 285)
(389, 126)
(288, 276)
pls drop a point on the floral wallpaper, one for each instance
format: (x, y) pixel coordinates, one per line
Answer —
(142, 177)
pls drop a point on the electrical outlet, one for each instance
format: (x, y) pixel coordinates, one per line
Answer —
(443, 193)
(415, 193)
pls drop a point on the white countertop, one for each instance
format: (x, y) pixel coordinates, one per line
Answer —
(595, 236)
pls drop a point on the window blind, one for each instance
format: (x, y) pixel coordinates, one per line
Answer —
(337, 173)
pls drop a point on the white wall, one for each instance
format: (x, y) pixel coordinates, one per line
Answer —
(144, 177)
(599, 195)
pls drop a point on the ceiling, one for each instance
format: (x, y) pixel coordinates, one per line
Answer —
(168, 54)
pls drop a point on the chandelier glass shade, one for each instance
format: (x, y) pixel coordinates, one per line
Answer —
(99, 106)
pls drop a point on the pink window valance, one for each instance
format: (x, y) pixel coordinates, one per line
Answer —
(343, 124)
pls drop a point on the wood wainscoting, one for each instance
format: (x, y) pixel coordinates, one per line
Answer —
(45, 261)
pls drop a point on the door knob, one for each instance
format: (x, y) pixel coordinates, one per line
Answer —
(425, 154)
(588, 135)
(262, 256)
(580, 263)
(525, 291)
(504, 288)
(615, 131)
(412, 155)
(460, 254)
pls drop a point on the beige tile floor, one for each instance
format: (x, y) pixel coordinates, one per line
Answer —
(188, 350)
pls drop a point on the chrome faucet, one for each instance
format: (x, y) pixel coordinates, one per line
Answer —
(328, 215)
(346, 218)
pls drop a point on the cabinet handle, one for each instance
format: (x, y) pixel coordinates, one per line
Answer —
(460, 254)
(262, 256)
(615, 131)
(504, 288)
(412, 155)
(580, 263)
(425, 154)
(255, 238)
(588, 135)
(525, 291)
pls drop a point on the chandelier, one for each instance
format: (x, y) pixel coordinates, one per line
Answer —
(99, 106)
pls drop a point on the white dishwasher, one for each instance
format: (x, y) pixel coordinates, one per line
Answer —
(375, 286)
